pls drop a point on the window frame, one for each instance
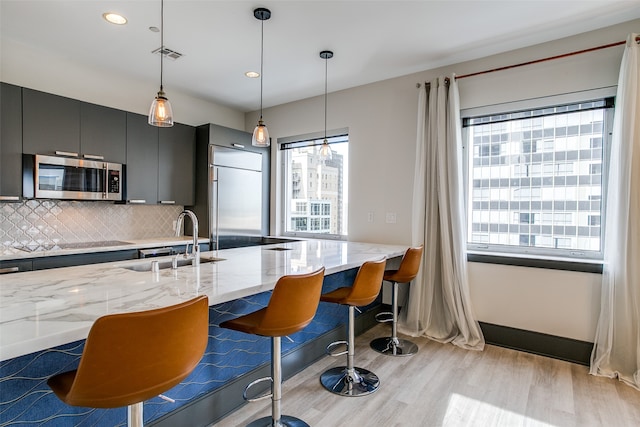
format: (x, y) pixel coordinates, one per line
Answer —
(314, 138)
(527, 255)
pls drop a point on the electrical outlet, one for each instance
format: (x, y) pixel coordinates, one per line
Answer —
(175, 224)
(370, 217)
(391, 218)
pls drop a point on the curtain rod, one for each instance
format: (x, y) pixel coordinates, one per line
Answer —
(564, 55)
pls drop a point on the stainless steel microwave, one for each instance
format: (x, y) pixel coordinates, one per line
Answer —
(54, 177)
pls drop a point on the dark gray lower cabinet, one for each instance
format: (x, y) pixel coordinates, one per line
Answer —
(204, 247)
(10, 142)
(83, 259)
(43, 263)
(15, 266)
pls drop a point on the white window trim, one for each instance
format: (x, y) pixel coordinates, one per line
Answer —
(283, 184)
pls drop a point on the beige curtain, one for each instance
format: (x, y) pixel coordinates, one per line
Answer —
(616, 351)
(439, 304)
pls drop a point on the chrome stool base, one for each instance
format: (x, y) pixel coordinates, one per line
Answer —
(394, 347)
(285, 420)
(359, 383)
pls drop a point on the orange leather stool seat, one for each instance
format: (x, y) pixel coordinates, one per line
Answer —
(350, 380)
(131, 357)
(408, 270)
(292, 306)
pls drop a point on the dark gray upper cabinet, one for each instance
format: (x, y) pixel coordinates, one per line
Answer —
(142, 160)
(103, 132)
(10, 142)
(160, 162)
(176, 172)
(50, 123)
(54, 123)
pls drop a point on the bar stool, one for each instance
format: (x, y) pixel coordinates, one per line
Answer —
(131, 357)
(350, 380)
(292, 306)
(408, 270)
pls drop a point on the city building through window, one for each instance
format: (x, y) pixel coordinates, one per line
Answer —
(315, 188)
(535, 179)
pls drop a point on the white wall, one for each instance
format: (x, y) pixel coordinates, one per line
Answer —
(37, 69)
(381, 118)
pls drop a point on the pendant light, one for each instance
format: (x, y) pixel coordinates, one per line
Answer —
(325, 151)
(260, 133)
(161, 114)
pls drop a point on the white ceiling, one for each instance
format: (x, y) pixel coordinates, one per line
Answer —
(220, 40)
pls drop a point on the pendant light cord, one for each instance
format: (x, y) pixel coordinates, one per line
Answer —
(161, 40)
(261, 61)
(326, 67)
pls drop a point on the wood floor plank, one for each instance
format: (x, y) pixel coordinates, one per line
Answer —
(445, 386)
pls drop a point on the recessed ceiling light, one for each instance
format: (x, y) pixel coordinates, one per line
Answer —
(114, 18)
(252, 74)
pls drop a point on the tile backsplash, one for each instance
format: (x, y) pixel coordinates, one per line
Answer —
(46, 223)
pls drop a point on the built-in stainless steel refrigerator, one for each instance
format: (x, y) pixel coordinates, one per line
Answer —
(232, 188)
(235, 195)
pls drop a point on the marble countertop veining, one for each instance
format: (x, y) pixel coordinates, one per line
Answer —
(46, 308)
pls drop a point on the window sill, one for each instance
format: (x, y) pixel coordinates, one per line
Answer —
(584, 266)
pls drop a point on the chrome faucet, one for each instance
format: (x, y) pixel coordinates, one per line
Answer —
(195, 249)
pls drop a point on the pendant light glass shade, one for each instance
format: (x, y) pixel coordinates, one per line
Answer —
(261, 133)
(161, 113)
(325, 151)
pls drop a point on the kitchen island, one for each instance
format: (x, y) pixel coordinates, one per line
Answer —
(46, 315)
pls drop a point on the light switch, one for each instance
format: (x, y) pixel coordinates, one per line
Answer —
(391, 218)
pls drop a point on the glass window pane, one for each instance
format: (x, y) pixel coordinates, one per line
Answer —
(541, 185)
(316, 190)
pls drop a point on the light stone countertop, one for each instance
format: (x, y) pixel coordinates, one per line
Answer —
(46, 308)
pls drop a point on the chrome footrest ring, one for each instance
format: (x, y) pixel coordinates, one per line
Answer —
(335, 344)
(251, 384)
(381, 317)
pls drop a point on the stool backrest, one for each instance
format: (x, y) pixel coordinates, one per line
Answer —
(131, 357)
(409, 266)
(366, 286)
(293, 304)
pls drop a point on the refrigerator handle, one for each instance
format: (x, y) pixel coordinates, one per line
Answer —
(216, 226)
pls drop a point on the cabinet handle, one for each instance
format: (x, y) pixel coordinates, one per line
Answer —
(137, 201)
(9, 198)
(7, 270)
(167, 202)
(93, 156)
(66, 153)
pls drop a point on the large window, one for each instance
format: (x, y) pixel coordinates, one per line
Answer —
(535, 179)
(315, 190)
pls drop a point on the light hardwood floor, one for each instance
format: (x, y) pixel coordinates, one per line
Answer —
(443, 385)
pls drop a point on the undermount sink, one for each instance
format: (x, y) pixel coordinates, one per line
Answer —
(166, 263)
